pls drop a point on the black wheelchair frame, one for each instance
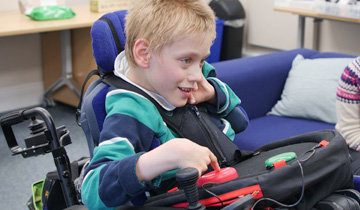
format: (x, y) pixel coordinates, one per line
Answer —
(46, 138)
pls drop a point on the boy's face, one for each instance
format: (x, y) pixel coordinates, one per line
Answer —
(174, 72)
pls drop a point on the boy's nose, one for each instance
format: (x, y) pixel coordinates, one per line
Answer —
(195, 74)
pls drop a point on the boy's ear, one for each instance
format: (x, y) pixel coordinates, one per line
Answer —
(142, 53)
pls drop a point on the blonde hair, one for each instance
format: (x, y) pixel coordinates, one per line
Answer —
(163, 22)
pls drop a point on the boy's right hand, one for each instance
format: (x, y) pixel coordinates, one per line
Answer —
(177, 153)
(189, 154)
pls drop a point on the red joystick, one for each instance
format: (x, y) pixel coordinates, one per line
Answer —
(224, 175)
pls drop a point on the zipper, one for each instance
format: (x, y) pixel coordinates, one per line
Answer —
(210, 138)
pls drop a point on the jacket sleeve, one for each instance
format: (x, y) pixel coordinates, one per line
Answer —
(130, 129)
(228, 103)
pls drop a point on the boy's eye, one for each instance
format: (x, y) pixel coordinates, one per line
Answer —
(186, 60)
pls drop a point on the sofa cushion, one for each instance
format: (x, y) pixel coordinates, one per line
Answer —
(259, 80)
(270, 128)
(310, 89)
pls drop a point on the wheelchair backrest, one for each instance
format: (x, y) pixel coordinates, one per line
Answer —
(108, 40)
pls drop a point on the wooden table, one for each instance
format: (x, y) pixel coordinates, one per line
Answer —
(307, 13)
(14, 23)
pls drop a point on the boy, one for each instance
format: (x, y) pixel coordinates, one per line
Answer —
(167, 42)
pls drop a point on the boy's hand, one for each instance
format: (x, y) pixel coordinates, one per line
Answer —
(177, 153)
(193, 155)
(204, 92)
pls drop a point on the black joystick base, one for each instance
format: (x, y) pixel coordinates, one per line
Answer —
(187, 178)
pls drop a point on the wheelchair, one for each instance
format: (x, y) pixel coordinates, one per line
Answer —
(47, 138)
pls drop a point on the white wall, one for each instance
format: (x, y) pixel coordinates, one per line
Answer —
(340, 36)
(21, 81)
(269, 29)
(265, 31)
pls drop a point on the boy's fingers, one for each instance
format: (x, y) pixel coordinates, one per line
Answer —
(214, 163)
(191, 99)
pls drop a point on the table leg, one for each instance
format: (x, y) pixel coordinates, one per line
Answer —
(66, 62)
(316, 34)
(301, 32)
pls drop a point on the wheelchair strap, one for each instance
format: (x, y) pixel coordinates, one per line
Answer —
(99, 70)
(78, 110)
(199, 127)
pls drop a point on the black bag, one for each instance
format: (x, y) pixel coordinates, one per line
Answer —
(47, 194)
(316, 172)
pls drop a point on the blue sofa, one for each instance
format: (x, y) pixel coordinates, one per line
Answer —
(259, 82)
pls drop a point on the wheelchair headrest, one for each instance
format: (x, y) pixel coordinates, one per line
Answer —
(108, 39)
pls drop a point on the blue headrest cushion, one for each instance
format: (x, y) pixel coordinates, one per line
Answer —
(103, 42)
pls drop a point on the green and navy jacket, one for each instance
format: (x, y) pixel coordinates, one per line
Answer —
(132, 127)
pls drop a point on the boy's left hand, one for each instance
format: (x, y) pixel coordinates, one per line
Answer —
(203, 92)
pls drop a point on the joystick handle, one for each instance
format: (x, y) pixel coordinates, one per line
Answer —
(187, 179)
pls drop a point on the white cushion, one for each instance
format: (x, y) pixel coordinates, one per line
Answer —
(310, 89)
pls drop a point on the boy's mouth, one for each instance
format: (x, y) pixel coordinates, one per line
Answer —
(185, 89)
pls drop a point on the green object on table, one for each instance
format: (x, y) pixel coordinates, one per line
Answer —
(51, 13)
